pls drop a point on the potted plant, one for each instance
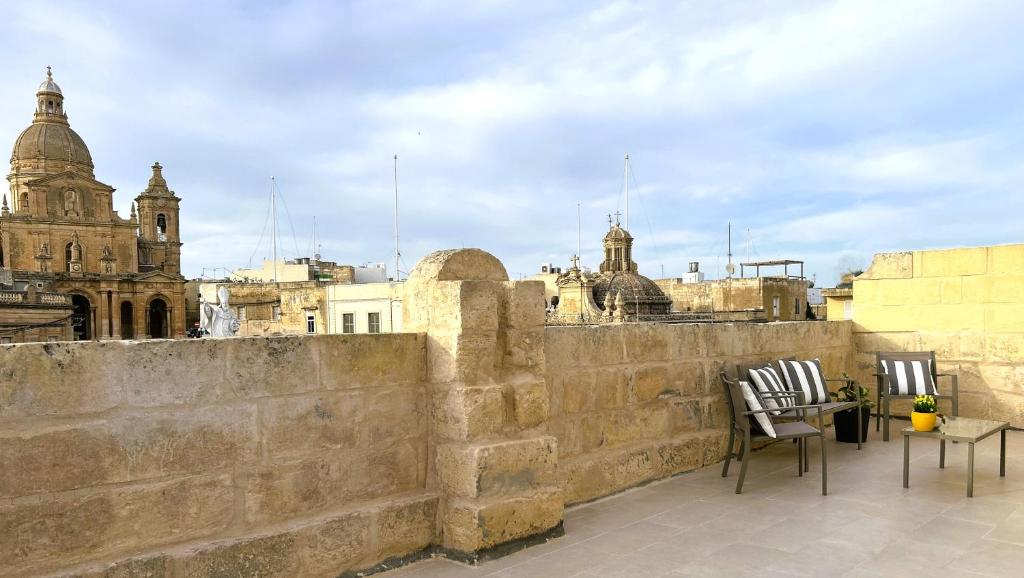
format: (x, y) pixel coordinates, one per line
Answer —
(923, 416)
(846, 421)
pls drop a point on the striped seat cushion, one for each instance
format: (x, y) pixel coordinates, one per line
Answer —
(909, 377)
(806, 376)
(754, 403)
(767, 381)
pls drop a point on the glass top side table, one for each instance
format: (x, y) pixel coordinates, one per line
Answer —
(958, 429)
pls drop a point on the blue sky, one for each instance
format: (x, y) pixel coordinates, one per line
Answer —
(824, 131)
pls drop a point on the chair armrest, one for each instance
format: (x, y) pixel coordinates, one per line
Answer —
(754, 411)
(777, 394)
(945, 375)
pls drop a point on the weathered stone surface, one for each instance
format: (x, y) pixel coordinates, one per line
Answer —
(394, 413)
(471, 526)
(56, 379)
(305, 424)
(265, 556)
(650, 382)
(75, 528)
(500, 468)
(351, 361)
(331, 547)
(146, 567)
(464, 413)
(526, 304)
(132, 447)
(262, 366)
(178, 373)
(529, 404)
(276, 492)
(406, 526)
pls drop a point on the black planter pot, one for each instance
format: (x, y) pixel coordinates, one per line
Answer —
(846, 425)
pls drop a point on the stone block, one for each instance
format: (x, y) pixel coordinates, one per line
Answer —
(380, 472)
(953, 262)
(333, 546)
(562, 346)
(688, 377)
(646, 342)
(479, 305)
(578, 391)
(952, 290)
(111, 522)
(945, 345)
(394, 413)
(526, 304)
(650, 382)
(60, 379)
(470, 526)
(494, 469)
(611, 388)
(476, 358)
(270, 556)
(135, 446)
(875, 342)
(352, 361)
(899, 265)
(1004, 318)
(686, 415)
(1006, 259)
(276, 492)
(686, 342)
(464, 413)
(972, 346)
(406, 526)
(1005, 347)
(567, 432)
(310, 423)
(524, 348)
(529, 404)
(180, 372)
(715, 412)
(264, 366)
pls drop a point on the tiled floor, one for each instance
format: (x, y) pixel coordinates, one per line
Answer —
(868, 525)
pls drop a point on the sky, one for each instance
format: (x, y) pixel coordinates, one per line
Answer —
(822, 131)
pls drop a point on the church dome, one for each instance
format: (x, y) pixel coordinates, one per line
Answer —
(640, 293)
(50, 138)
(52, 142)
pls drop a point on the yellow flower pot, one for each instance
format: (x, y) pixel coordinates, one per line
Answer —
(923, 421)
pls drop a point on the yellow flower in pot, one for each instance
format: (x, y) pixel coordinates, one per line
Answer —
(923, 416)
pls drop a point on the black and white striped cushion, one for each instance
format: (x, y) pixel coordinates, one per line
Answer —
(909, 377)
(806, 376)
(754, 403)
(767, 380)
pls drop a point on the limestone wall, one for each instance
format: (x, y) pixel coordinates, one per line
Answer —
(965, 304)
(637, 402)
(289, 456)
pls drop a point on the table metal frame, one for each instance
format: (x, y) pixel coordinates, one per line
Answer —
(942, 436)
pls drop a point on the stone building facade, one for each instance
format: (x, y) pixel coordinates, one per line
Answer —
(59, 228)
(741, 299)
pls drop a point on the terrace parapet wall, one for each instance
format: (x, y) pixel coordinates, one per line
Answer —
(325, 454)
(966, 304)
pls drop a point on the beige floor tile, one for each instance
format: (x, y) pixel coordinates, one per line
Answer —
(992, 559)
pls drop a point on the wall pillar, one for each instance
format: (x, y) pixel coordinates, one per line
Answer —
(491, 458)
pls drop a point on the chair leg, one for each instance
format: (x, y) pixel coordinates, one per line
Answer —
(728, 454)
(799, 456)
(743, 466)
(886, 418)
(807, 466)
(824, 467)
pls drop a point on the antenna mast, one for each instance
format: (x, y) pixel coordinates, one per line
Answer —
(398, 252)
(273, 213)
(730, 268)
(316, 246)
(579, 223)
(625, 176)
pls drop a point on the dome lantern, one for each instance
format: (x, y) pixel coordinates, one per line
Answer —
(50, 100)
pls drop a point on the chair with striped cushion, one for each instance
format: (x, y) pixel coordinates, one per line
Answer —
(905, 375)
(808, 378)
(751, 412)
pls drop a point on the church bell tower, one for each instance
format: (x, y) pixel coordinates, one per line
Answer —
(159, 241)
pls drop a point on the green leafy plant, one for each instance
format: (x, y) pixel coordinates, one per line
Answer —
(849, 392)
(924, 404)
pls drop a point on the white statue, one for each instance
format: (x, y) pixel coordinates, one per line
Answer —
(218, 320)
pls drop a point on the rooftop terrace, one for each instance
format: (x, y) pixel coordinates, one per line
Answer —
(869, 525)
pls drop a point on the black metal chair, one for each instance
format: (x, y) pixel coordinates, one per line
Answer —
(798, 431)
(885, 395)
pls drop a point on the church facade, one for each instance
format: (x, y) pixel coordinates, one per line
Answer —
(59, 232)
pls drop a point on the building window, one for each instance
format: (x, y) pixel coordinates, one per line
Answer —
(796, 306)
(373, 321)
(275, 312)
(23, 204)
(775, 306)
(348, 322)
(6, 340)
(51, 339)
(241, 312)
(161, 228)
(310, 323)
(848, 309)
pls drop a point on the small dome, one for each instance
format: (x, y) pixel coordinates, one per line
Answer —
(617, 232)
(49, 85)
(635, 289)
(52, 142)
